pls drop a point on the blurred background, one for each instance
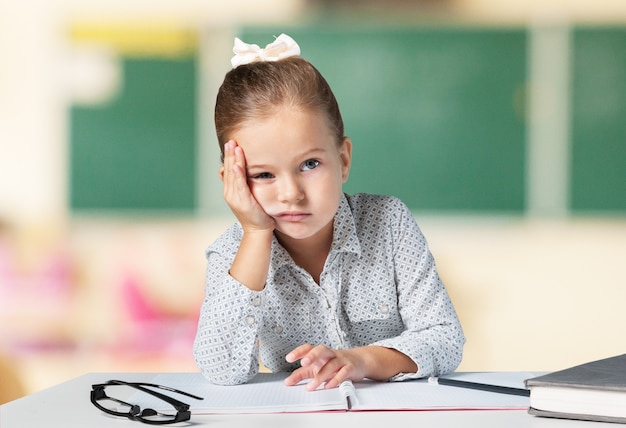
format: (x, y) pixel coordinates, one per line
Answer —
(500, 124)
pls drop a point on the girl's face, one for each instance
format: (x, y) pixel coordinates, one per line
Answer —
(295, 170)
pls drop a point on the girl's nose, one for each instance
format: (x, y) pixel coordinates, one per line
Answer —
(290, 190)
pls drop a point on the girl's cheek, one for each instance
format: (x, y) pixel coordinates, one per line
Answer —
(259, 193)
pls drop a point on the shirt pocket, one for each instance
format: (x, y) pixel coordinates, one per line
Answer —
(365, 306)
(372, 315)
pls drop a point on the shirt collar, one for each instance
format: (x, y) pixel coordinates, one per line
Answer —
(345, 238)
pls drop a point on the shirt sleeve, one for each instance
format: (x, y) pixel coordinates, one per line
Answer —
(226, 343)
(433, 337)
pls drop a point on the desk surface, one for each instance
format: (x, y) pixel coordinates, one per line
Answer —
(67, 405)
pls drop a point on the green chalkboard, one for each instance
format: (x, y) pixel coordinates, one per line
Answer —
(598, 169)
(138, 151)
(435, 114)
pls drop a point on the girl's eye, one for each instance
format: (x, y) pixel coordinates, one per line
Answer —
(263, 176)
(310, 164)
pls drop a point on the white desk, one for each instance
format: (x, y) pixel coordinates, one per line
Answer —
(68, 406)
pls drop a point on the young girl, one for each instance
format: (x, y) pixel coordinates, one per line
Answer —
(323, 284)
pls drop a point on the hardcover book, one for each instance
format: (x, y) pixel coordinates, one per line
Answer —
(594, 391)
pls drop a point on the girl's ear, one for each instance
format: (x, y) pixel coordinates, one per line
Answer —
(221, 173)
(345, 155)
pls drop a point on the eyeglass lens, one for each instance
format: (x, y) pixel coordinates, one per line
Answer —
(107, 402)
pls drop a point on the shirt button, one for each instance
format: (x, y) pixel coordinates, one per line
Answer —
(249, 320)
(256, 301)
(384, 309)
(278, 329)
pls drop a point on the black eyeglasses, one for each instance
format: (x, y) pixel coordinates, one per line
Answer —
(114, 406)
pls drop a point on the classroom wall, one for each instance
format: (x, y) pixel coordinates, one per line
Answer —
(108, 289)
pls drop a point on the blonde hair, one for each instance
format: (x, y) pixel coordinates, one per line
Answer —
(254, 91)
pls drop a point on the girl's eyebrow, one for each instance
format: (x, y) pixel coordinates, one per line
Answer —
(311, 152)
(303, 155)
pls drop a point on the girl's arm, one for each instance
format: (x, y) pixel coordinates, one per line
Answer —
(226, 343)
(252, 261)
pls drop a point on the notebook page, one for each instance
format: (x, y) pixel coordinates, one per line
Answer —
(266, 393)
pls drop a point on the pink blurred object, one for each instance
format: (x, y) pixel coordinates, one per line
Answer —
(153, 329)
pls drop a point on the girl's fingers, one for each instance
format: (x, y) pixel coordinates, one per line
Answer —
(321, 365)
(235, 180)
(342, 374)
(228, 162)
(298, 376)
(239, 168)
(298, 353)
(237, 192)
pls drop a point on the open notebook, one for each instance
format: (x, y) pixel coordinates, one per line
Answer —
(266, 393)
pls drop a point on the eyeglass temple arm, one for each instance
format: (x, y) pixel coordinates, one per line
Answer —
(167, 388)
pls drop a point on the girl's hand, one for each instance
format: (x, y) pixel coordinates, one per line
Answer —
(237, 192)
(322, 364)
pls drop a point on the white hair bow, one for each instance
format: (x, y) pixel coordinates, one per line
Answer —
(283, 47)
